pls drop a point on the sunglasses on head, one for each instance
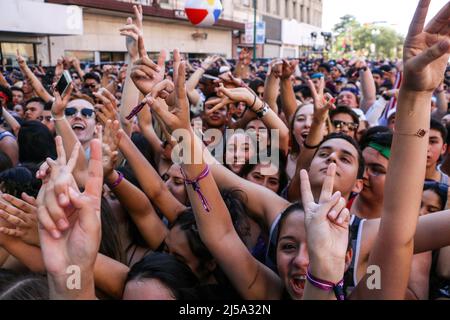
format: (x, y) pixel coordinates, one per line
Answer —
(340, 124)
(85, 112)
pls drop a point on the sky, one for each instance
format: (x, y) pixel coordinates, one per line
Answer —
(395, 13)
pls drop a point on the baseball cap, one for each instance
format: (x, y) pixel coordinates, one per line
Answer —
(317, 76)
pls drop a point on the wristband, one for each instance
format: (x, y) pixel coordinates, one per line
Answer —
(254, 101)
(58, 119)
(196, 186)
(263, 111)
(117, 182)
(328, 286)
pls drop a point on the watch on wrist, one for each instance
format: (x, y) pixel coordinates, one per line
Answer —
(262, 111)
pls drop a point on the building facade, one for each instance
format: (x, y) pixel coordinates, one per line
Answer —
(44, 30)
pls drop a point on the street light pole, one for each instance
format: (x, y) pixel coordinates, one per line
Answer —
(254, 30)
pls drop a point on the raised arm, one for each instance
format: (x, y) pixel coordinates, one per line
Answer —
(425, 56)
(288, 100)
(131, 198)
(266, 114)
(130, 94)
(441, 103)
(194, 79)
(34, 81)
(150, 181)
(3, 81)
(272, 88)
(252, 280)
(369, 90)
(15, 126)
(315, 136)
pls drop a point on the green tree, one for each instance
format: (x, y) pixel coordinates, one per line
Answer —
(344, 33)
(350, 34)
(347, 22)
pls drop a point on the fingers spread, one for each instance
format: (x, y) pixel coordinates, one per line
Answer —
(420, 16)
(431, 54)
(440, 22)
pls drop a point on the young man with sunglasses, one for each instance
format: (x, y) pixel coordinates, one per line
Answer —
(92, 82)
(81, 115)
(345, 120)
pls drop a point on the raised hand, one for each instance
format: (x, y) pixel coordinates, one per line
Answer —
(78, 245)
(326, 224)
(233, 95)
(178, 116)
(60, 103)
(322, 103)
(209, 61)
(131, 40)
(108, 109)
(110, 147)
(288, 68)
(57, 188)
(426, 50)
(275, 68)
(22, 214)
(20, 60)
(230, 81)
(145, 73)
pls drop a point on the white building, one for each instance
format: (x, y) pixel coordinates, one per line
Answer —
(89, 29)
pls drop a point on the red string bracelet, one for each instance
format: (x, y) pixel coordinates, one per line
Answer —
(196, 186)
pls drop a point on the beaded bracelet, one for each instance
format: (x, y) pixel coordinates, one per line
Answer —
(324, 285)
(196, 186)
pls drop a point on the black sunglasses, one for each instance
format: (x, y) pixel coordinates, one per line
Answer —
(350, 125)
(92, 86)
(85, 112)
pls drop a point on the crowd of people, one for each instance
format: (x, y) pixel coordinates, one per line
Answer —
(306, 178)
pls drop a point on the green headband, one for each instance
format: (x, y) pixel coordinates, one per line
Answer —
(385, 151)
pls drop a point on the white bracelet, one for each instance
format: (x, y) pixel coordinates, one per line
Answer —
(58, 119)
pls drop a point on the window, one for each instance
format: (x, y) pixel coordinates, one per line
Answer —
(8, 52)
(83, 56)
(268, 8)
(112, 57)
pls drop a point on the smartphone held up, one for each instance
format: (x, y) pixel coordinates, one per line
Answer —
(63, 83)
